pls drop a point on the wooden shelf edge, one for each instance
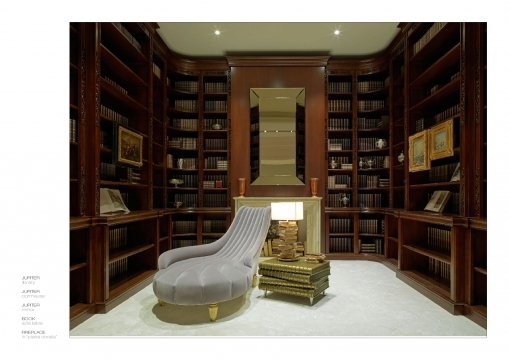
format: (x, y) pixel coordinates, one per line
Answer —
(125, 289)
(431, 289)
(429, 253)
(80, 312)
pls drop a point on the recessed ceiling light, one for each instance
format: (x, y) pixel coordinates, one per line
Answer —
(337, 32)
(217, 32)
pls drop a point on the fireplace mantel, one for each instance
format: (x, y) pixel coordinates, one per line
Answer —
(312, 221)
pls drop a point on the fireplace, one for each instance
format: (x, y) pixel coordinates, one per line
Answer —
(311, 223)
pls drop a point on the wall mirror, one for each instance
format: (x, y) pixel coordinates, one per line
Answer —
(277, 136)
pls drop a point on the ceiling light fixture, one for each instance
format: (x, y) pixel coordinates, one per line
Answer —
(217, 32)
(337, 32)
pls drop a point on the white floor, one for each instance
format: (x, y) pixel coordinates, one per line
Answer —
(364, 299)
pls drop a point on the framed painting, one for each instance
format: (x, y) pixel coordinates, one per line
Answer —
(418, 152)
(441, 140)
(438, 201)
(129, 147)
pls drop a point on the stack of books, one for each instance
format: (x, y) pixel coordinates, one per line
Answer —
(298, 278)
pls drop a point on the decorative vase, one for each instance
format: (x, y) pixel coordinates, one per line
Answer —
(361, 164)
(381, 143)
(314, 186)
(401, 157)
(242, 187)
(333, 164)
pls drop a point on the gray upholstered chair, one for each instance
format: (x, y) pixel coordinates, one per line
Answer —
(220, 271)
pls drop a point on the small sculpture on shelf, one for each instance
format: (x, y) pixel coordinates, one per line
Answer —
(180, 163)
(178, 204)
(345, 200)
(176, 182)
(361, 164)
(333, 164)
(401, 157)
(381, 143)
(217, 126)
(370, 163)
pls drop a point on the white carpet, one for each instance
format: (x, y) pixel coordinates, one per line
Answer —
(364, 299)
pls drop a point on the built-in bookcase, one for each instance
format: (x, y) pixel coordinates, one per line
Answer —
(398, 141)
(123, 103)
(198, 141)
(434, 99)
(158, 100)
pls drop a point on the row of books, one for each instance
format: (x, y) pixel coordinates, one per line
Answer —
(343, 87)
(215, 200)
(340, 160)
(370, 200)
(178, 243)
(186, 85)
(425, 122)
(368, 143)
(339, 181)
(214, 226)
(183, 124)
(372, 226)
(340, 225)
(340, 244)
(339, 200)
(339, 144)
(184, 226)
(181, 163)
(117, 237)
(73, 130)
(216, 144)
(108, 171)
(186, 105)
(212, 184)
(216, 162)
(114, 115)
(439, 270)
(185, 143)
(339, 124)
(222, 178)
(118, 268)
(439, 239)
(428, 35)
(372, 123)
(374, 162)
(340, 105)
(371, 246)
(216, 105)
(215, 87)
(370, 105)
(372, 85)
(443, 173)
(189, 180)
(133, 175)
(370, 181)
(188, 200)
(115, 84)
(128, 35)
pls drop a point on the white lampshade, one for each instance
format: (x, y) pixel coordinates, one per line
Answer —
(287, 211)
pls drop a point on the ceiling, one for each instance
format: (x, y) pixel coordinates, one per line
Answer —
(355, 38)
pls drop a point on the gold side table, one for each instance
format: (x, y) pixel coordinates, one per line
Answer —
(298, 278)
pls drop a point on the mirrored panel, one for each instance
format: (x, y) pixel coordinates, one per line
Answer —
(277, 136)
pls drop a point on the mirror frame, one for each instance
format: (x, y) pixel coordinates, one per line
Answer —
(260, 133)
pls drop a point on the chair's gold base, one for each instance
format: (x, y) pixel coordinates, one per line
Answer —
(213, 312)
(212, 309)
(255, 281)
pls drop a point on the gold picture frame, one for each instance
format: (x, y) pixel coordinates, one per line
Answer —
(418, 152)
(129, 147)
(441, 140)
